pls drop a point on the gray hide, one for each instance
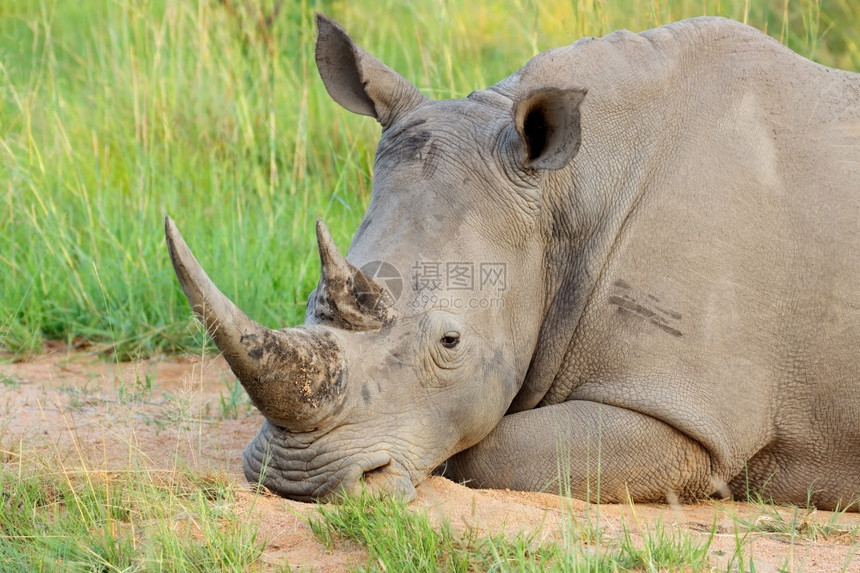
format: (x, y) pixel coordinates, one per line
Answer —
(678, 215)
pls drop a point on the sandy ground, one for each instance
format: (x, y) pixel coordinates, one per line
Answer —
(169, 412)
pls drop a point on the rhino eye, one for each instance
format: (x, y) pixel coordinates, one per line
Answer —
(450, 340)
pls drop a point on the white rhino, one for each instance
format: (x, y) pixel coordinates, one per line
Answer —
(673, 220)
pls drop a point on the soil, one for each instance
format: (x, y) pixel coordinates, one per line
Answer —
(175, 413)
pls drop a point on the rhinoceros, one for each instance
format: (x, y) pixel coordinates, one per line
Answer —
(629, 271)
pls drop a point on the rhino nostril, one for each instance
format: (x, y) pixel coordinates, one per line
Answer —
(376, 472)
(388, 478)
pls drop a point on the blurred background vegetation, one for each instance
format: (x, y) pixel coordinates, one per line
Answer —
(114, 113)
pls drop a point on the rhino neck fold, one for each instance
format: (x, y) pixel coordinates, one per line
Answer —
(568, 285)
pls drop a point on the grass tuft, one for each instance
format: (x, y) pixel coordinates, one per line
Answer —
(664, 547)
(54, 517)
(794, 523)
(400, 539)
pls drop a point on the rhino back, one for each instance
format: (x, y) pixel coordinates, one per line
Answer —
(706, 244)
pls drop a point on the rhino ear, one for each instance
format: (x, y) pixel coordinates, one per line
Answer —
(358, 81)
(547, 121)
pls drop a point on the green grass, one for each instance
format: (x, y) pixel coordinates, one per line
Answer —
(663, 548)
(234, 402)
(80, 520)
(55, 517)
(114, 113)
(399, 539)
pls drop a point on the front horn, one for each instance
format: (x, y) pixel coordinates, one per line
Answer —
(294, 376)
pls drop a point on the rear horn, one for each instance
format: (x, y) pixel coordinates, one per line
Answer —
(346, 297)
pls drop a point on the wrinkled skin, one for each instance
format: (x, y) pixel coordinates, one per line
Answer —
(677, 215)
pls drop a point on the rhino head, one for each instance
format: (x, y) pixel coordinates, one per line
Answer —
(380, 387)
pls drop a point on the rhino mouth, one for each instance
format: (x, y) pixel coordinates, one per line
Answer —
(300, 468)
